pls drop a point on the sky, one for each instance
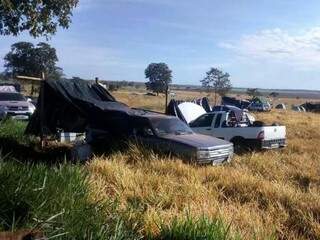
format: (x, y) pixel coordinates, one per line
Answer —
(263, 44)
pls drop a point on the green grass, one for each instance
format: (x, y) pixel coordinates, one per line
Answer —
(189, 228)
(14, 130)
(56, 201)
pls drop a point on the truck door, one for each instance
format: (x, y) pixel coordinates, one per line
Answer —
(203, 124)
(216, 128)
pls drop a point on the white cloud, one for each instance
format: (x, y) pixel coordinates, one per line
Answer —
(301, 50)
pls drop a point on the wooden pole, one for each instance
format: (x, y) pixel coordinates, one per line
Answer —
(42, 133)
(166, 104)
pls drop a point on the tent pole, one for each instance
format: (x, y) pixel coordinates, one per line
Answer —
(42, 111)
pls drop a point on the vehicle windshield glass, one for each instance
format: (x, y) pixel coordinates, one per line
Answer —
(12, 97)
(170, 126)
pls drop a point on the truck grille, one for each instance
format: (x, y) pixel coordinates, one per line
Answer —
(16, 114)
(217, 156)
(275, 143)
(16, 108)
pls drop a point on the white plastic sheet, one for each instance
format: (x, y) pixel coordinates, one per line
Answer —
(191, 111)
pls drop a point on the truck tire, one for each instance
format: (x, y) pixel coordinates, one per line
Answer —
(81, 152)
(239, 144)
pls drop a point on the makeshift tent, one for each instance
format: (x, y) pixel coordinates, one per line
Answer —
(191, 111)
(73, 105)
(203, 102)
(311, 107)
(260, 99)
(281, 106)
(186, 111)
(241, 114)
(295, 108)
(240, 103)
(173, 110)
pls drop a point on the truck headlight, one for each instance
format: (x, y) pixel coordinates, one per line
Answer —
(32, 109)
(203, 154)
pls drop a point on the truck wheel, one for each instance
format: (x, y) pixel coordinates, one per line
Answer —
(239, 144)
(81, 152)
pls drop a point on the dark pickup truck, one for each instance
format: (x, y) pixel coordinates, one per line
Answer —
(170, 134)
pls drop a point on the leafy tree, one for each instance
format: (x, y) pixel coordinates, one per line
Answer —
(27, 59)
(253, 92)
(217, 80)
(160, 76)
(39, 18)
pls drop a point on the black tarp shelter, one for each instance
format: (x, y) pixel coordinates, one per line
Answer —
(235, 102)
(75, 105)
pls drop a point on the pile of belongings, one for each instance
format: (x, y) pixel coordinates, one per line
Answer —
(189, 111)
(76, 106)
(240, 103)
(311, 107)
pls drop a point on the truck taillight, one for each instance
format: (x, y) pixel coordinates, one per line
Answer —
(260, 135)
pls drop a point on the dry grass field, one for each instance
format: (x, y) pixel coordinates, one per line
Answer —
(261, 195)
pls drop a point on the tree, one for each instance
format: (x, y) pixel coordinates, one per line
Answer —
(39, 18)
(160, 76)
(253, 92)
(27, 59)
(217, 80)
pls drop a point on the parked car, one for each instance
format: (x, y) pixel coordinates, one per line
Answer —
(224, 125)
(169, 134)
(15, 105)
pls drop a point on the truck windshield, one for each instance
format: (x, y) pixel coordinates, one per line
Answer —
(170, 126)
(5, 96)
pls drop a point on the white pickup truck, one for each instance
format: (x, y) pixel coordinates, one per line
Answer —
(224, 125)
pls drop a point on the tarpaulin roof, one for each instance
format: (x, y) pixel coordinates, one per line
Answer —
(73, 105)
(240, 103)
(186, 111)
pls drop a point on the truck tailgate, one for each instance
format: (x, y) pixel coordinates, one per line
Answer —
(274, 132)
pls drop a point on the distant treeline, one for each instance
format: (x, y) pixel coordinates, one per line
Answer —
(284, 93)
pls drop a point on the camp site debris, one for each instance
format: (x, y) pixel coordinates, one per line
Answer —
(79, 106)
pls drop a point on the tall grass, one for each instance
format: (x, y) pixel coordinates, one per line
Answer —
(189, 229)
(13, 130)
(57, 201)
(265, 195)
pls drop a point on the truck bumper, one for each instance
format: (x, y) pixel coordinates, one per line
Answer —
(266, 144)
